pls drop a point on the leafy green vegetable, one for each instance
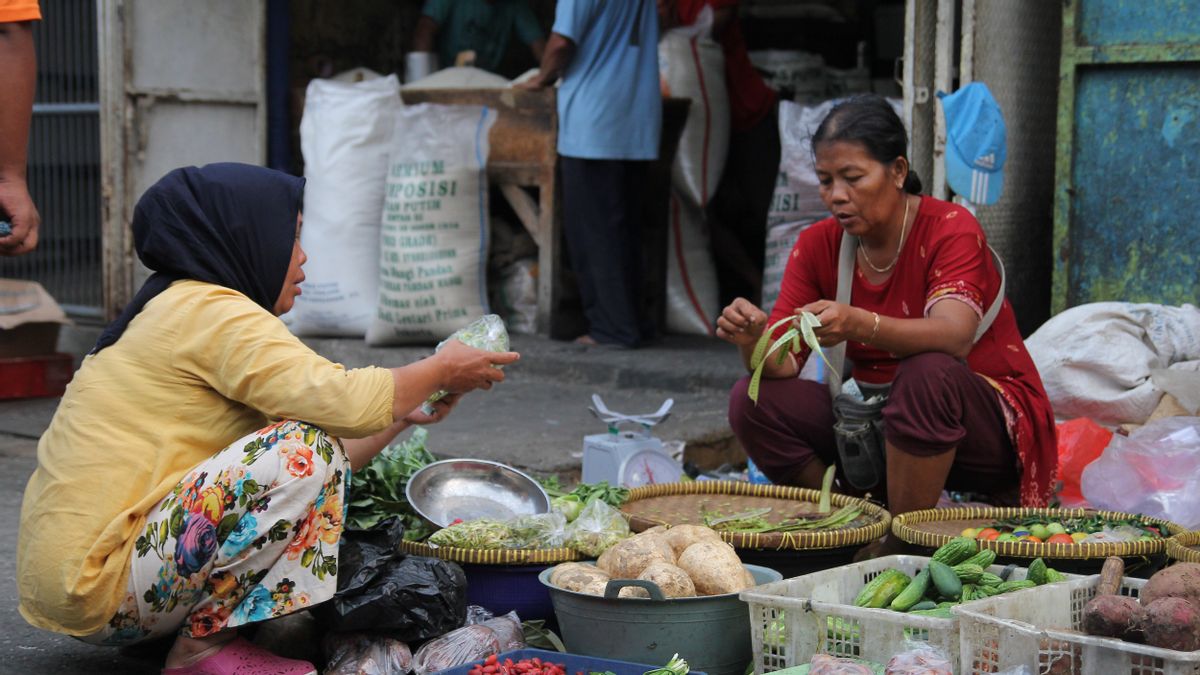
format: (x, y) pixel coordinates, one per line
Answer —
(676, 666)
(568, 505)
(764, 348)
(377, 490)
(613, 496)
(754, 521)
(538, 636)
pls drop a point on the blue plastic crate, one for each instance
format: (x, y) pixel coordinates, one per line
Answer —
(572, 663)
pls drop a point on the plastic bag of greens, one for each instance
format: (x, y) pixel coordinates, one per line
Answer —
(597, 528)
(482, 534)
(487, 332)
(543, 530)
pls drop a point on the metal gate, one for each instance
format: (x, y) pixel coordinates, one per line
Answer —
(64, 160)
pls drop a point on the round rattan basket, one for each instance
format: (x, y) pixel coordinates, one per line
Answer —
(933, 527)
(684, 503)
(468, 556)
(1184, 547)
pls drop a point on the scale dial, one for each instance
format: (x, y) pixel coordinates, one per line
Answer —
(649, 467)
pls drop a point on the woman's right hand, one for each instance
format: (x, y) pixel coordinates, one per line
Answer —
(465, 369)
(741, 323)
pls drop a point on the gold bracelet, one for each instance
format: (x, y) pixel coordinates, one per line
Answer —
(875, 330)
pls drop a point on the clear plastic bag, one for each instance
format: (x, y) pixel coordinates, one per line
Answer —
(920, 659)
(597, 528)
(487, 333)
(361, 654)
(1155, 471)
(470, 643)
(542, 530)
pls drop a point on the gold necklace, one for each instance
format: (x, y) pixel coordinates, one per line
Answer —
(903, 227)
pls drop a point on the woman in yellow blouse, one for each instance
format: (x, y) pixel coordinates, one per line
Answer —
(192, 479)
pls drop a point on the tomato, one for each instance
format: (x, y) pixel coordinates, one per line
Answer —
(1060, 538)
(1040, 531)
(1030, 537)
(987, 534)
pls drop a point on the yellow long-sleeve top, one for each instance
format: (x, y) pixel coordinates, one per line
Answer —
(199, 367)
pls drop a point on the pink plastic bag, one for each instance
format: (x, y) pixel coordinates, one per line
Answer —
(1080, 442)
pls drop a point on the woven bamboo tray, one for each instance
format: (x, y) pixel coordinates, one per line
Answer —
(1184, 547)
(934, 527)
(471, 556)
(682, 503)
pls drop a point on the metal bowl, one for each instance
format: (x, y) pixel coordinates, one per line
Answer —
(470, 489)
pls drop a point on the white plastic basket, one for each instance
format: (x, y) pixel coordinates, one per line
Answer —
(1037, 628)
(793, 619)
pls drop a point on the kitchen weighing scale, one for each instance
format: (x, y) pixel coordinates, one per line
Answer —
(629, 457)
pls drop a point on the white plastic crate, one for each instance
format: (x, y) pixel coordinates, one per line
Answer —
(1037, 628)
(793, 619)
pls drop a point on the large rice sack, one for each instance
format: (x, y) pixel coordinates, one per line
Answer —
(434, 236)
(344, 136)
(692, 298)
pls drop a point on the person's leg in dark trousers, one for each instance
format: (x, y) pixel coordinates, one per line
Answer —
(602, 230)
(738, 212)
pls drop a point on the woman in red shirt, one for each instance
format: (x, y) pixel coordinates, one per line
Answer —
(960, 414)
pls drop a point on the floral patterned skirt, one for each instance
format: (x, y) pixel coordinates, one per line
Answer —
(250, 534)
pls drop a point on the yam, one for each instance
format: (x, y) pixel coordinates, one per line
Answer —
(595, 587)
(1173, 623)
(682, 536)
(714, 567)
(628, 557)
(577, 577)
(1181, 580)
(751, 582)
(671, 580)
(1116, 616)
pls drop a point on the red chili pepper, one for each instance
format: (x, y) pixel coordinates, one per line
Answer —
(490, 661)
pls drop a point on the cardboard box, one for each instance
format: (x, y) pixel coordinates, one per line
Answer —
(29, 319)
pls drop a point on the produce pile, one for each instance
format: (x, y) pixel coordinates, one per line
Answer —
(377, 490)
(683, 561)
(1166, 614)
(1094, 529)
(956, 573)
(492, 665)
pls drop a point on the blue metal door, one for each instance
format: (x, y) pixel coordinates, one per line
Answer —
(1128, 158)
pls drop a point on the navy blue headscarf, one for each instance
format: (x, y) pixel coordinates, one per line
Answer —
(228, 224)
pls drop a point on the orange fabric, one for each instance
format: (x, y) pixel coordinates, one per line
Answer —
(19, 10)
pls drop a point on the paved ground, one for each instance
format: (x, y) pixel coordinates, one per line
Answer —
(536, 420)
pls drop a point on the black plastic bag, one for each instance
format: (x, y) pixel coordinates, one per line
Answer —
(413, 598)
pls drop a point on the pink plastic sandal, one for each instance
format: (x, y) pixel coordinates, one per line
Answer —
(241, 657)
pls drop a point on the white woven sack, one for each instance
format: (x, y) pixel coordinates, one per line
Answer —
(344, 135)
(434, 237)
(692, 299)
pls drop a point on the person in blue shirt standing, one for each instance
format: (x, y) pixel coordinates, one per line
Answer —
(609, 121)
(481, 26)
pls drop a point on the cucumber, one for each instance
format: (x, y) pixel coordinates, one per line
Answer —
(956, 550)
(923, 605)
(912, 593)
(945, 580)
(989, 579)
(882, 589)
(1015, 585)
(936, 613)
(968, 573)
(1053, 576)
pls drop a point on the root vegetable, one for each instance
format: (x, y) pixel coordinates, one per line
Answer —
(682, 536)
(714, 567)
(1117, 616)
(1181, 580)
(576, 576)
(673, 581)
(1173, 623)
(628, 557)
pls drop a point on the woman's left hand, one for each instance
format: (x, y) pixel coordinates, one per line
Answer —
(839, 322)
(441, 409)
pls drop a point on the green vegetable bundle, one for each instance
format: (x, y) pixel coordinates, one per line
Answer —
(571, 504)
(487, 333)
(377, 490)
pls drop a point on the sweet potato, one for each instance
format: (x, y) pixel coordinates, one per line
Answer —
(1117, 616)
(714, 567)
(575, 576)
(627, 558)
(673, 581)
(682, 536)
(1181, 580)
(1173, 623)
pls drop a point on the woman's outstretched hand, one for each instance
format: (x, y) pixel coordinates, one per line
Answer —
(441, 409)
(839, 322)
(465, 369)
(741, 323)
